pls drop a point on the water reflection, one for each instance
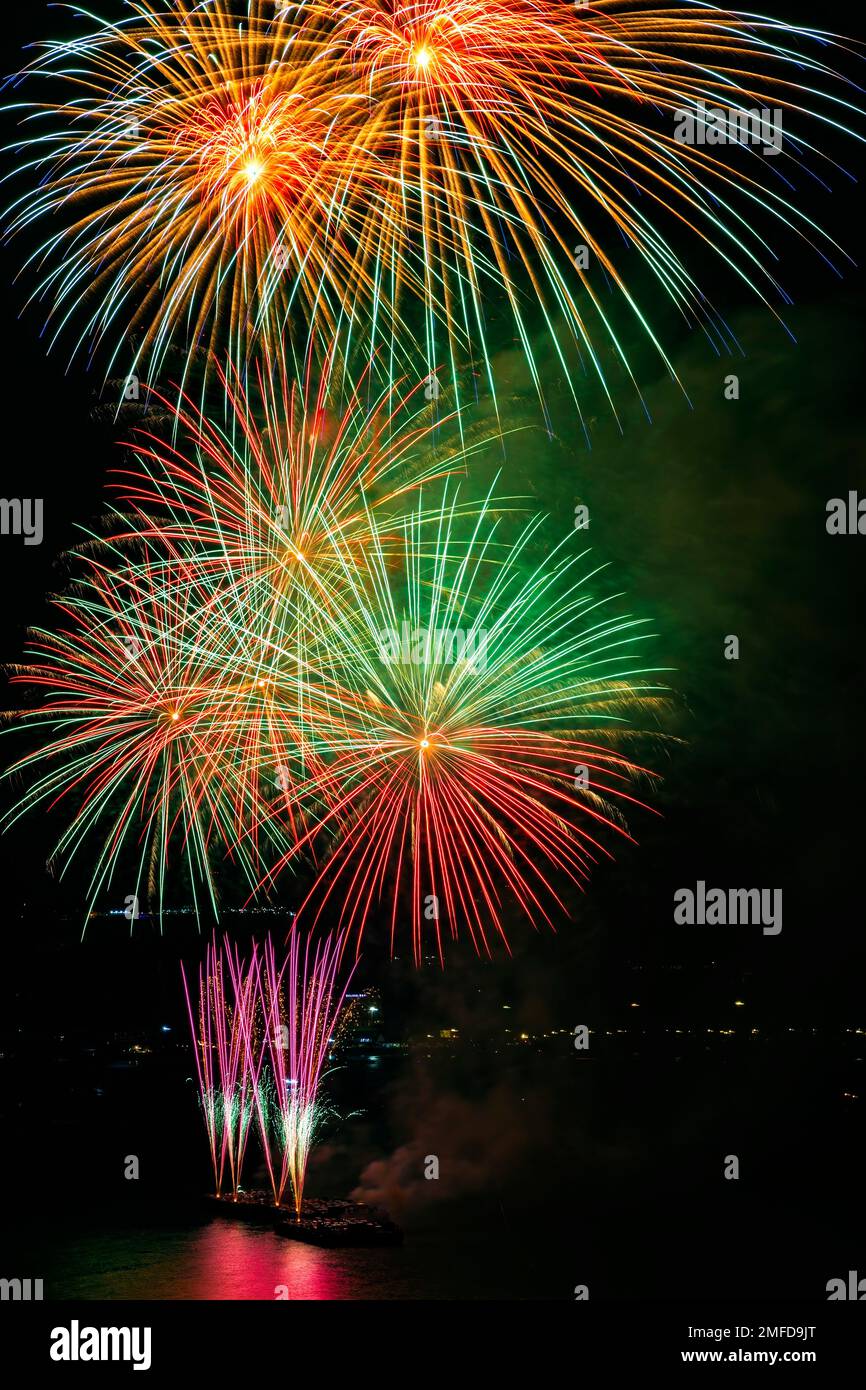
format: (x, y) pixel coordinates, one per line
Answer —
(230, 1260)
(220, 1260)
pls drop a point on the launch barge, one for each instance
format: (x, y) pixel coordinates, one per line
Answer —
(329, 1223)
(359, 1227)
(256, 1207)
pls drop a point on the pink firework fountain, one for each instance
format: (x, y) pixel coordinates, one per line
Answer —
(262, 1032)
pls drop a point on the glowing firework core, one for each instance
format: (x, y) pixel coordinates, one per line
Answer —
(259, 146)
(253, 171)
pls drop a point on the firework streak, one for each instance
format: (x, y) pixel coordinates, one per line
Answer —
(447, 728)
(262, 1033)
(481, 756)
(301, 1003)
(296, 645)
(228, 1071)
(157, 710)
(195, 680)
(218, 174)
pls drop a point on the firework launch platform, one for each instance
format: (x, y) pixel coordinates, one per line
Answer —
(332, 1223)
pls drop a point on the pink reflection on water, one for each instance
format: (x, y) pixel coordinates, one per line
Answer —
(228, 1259)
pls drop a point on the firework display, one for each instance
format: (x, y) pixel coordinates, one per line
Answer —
(300, 644)
(301, 1004)
(151, 729)
(204, 179)
(424, 727)
(212, 174)
(197, 680)
(361, 307)
(262, 1031)
(227, 1067)
(483, 746)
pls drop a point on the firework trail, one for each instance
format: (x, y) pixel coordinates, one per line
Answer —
(271, 506)
(262, 1033)
(493, 696)
(194, 680)
(195, 158)
(157, 729)
(301, 1001)
(231, 171)
(227, 1068)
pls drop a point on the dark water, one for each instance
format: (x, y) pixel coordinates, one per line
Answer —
(227, 1260)
(637, 1208)
(668, 1250)
(223, 1259)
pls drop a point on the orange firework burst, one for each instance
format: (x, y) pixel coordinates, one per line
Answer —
(240, 163)
(522, 144)
(202, 178)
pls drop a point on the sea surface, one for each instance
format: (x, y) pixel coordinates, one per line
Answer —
(218, 1258)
